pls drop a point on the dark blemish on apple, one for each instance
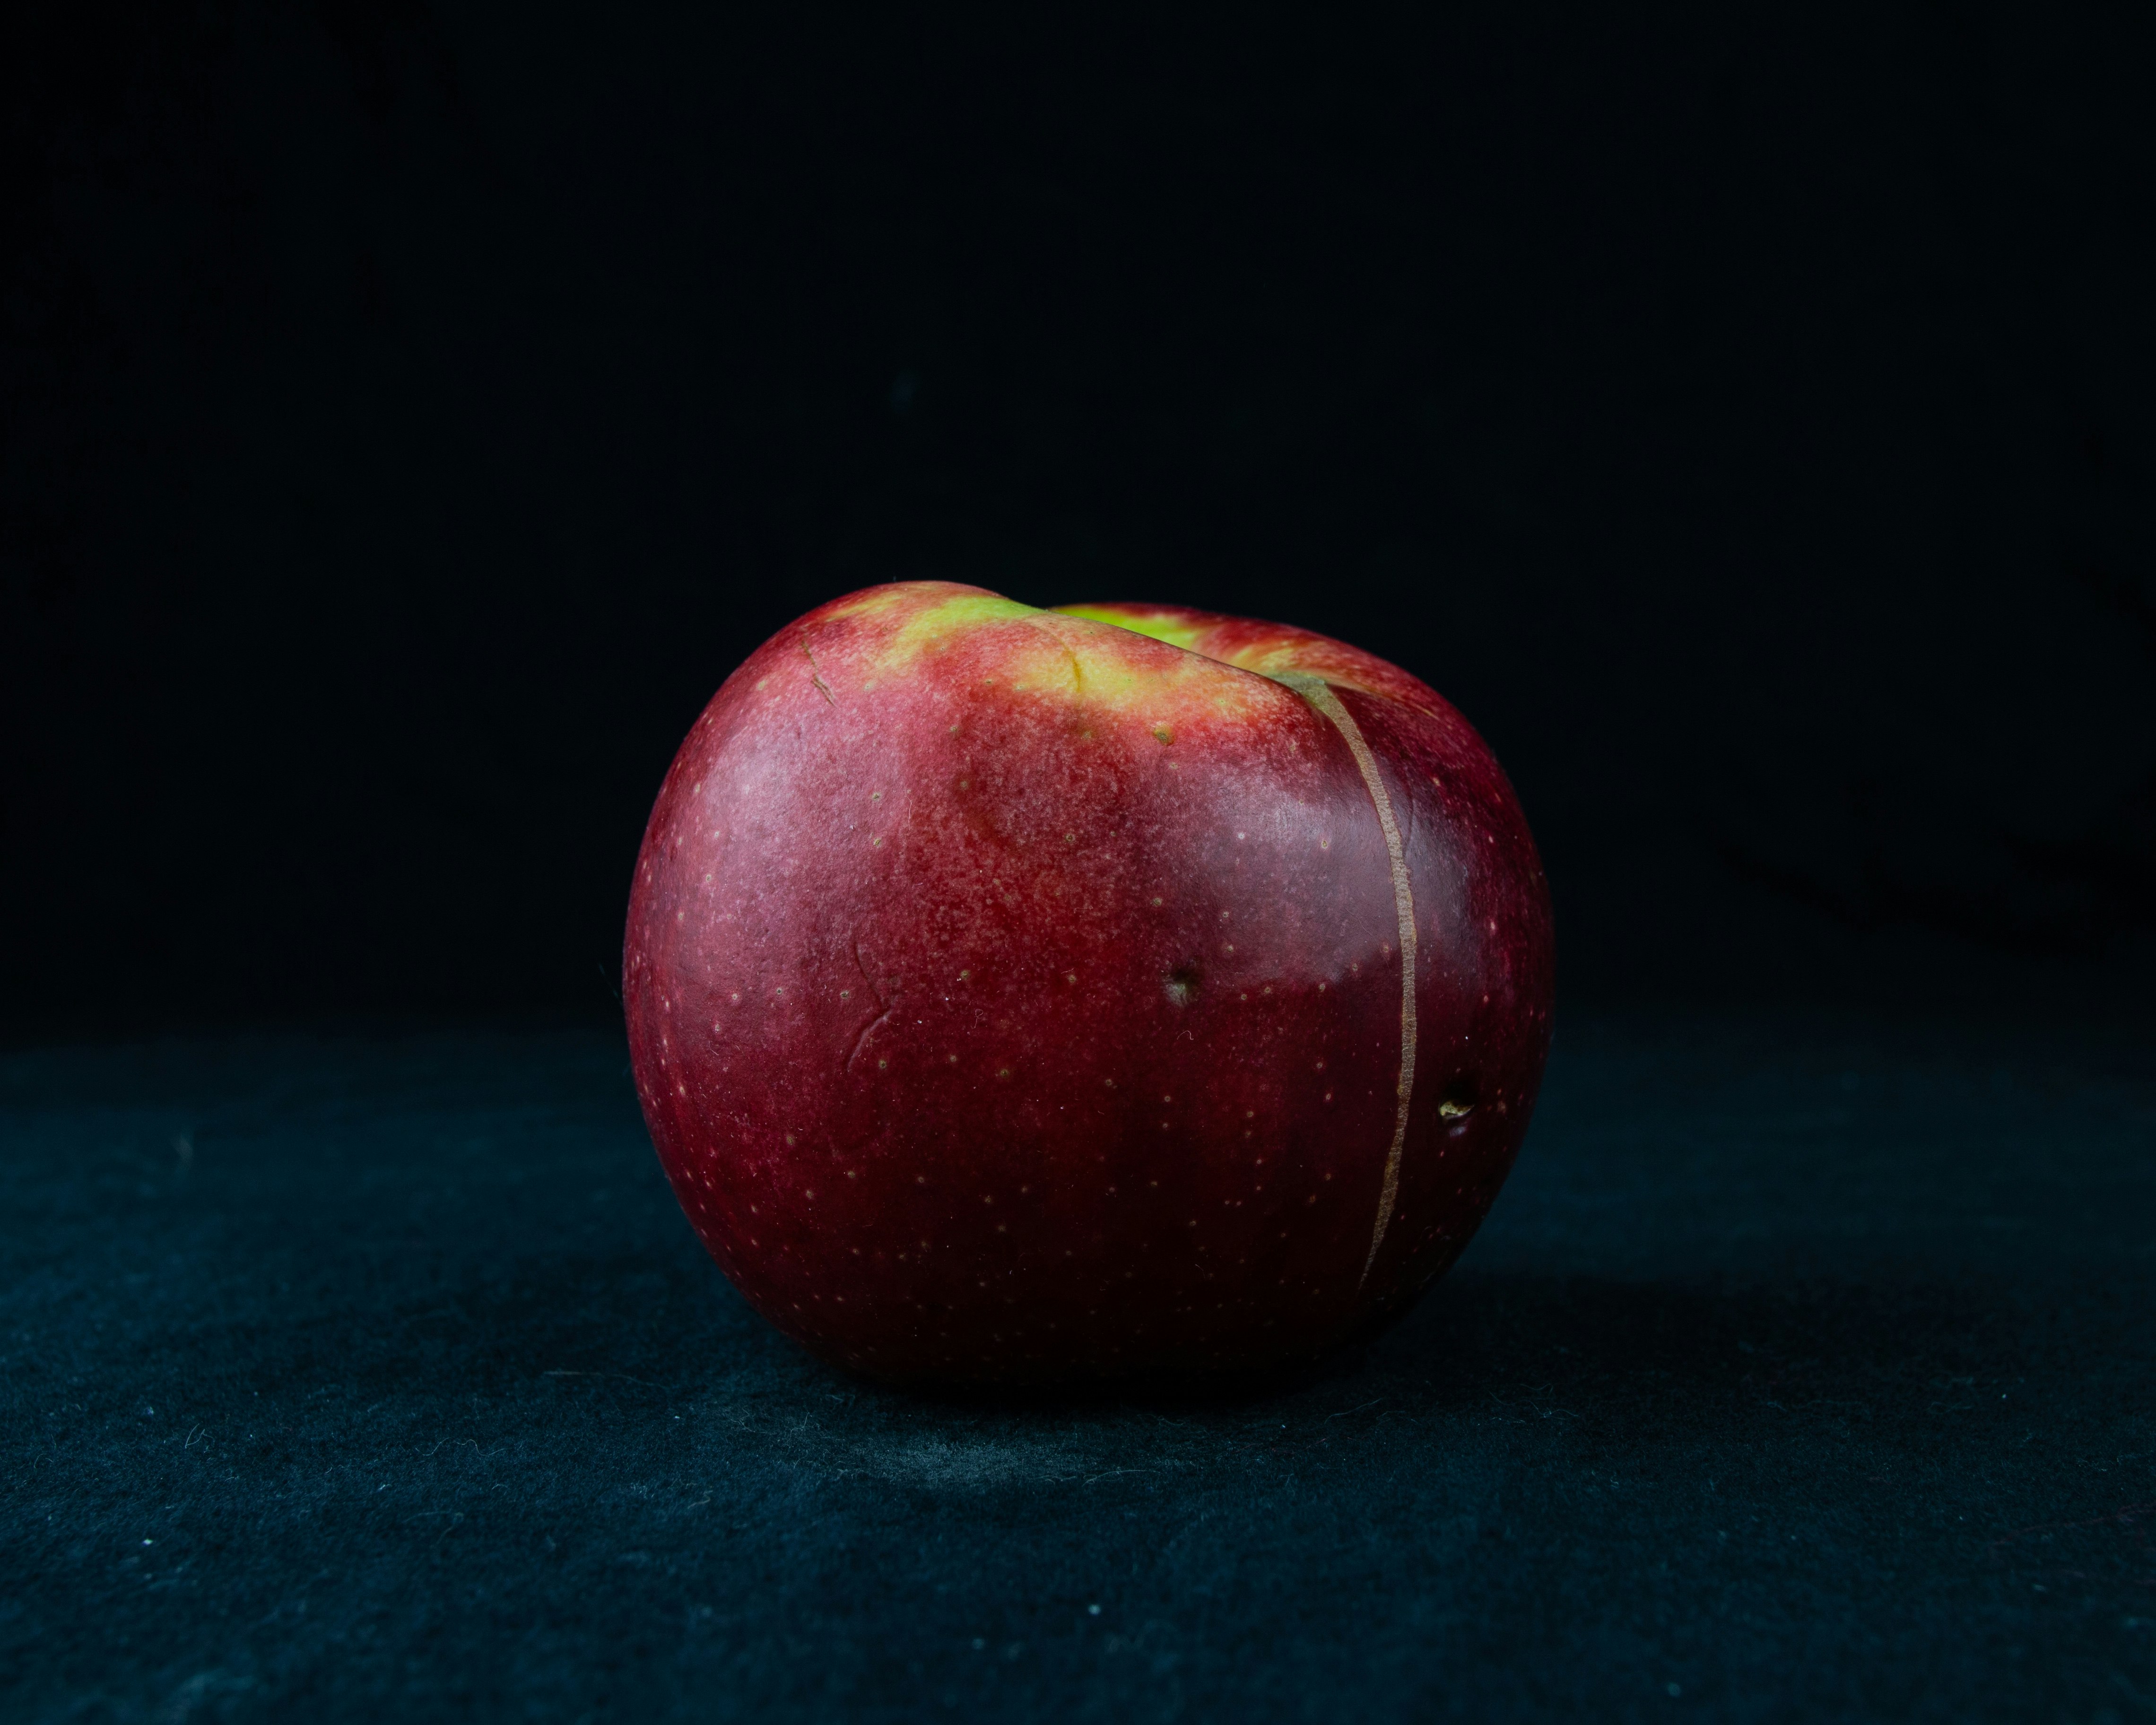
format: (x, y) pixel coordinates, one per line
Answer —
(1180, 985)
(1457, 1100)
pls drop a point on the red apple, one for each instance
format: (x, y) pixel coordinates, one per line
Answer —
(1021, 995)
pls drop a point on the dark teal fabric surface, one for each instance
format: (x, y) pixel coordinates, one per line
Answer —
(1803, 1370)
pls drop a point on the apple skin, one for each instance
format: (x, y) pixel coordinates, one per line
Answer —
(1017, 995)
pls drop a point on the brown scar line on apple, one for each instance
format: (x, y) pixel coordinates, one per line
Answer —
(1319, 693)
(816, 675)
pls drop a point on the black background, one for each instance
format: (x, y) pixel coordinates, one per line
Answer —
(413, 412)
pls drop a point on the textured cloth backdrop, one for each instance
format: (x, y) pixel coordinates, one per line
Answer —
(1803, 1370)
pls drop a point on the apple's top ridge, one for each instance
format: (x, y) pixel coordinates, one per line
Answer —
(1278, 650)
(913, 618)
